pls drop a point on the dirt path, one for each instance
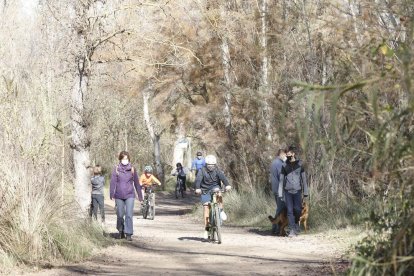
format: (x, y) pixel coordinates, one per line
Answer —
(172, 244)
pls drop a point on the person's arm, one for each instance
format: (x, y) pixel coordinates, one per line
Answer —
(281, 181)
(223, 179)
(193, 165)
(137, 185)
(112, 185)
(304, 183)
(154, 179)
(274, 177)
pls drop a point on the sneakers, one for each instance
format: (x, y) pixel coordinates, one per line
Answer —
(129, 237)
(205, 234)
(292, 234)
(223, 215)
(297, 228)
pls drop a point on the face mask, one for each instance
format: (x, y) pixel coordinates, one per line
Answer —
(125, 162)
(284, 158)
(199, 157)
(289, 158)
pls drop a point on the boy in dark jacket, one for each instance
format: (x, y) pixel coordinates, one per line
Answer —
(293, 180)
(98, 182)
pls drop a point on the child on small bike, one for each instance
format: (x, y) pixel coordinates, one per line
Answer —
(181, 175)
(147, 179)
(208, 179)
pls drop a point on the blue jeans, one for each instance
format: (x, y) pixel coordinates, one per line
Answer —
(294, 207)
(280, 206)
(125, 208)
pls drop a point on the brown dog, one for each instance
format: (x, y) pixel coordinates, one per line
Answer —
(282, 219)
(304, 216)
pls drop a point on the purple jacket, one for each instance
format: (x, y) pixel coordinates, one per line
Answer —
(122, 182)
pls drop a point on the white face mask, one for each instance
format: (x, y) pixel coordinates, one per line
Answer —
(284, 158)
(125, 162)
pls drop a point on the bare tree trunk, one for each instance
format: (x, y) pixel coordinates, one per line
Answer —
(155, 136)
(80, 142)
(264, 82)
(228, 82)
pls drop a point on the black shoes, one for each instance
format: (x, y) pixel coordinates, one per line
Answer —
(121, 236)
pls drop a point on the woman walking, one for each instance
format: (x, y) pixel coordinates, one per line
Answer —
(124, 184)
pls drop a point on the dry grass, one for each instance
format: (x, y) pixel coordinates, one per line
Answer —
(36, 226)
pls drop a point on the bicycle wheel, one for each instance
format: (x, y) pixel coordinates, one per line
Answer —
(152, 207)
(182, 189)
(145, 209)
(177, 188)
(217, 223)
(212, 229)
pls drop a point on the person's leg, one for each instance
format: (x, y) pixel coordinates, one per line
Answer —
(129, 227)
(101, 204)
(205, 200)
(206, 215)
(120, 213)
(297, 209)
(184, 183)
(289, 206)
(94, 206)
(279, 208)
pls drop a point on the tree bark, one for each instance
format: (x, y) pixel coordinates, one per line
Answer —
(228, 83)
(155, 136)
(80, 142)
(264, 80)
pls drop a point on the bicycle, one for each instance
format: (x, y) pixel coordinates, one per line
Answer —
(148, 206)
(215, 220)
(179, 188)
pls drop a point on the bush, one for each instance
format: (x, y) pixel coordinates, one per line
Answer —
(36, 226)
(245, 209)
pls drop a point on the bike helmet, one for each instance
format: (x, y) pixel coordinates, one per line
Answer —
(178, 165)
(199, 153)
(148, 169)
(211, 160)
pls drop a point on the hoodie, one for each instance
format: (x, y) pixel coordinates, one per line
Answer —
(293, 179)
(123, 182)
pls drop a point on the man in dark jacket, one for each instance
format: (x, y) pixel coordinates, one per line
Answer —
(293, 180)
(275, 170)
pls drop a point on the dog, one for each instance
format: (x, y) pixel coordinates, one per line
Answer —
(282, 219)
(304, 216)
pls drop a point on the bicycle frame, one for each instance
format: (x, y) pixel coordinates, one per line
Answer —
(179, 187)
(214, 217)
(148, 205)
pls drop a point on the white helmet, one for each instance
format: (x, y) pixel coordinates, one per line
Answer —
(211, 160)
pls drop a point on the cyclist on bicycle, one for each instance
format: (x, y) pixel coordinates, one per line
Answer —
(147, 179)
(198, 163)
(181, 175)
(208, 179)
